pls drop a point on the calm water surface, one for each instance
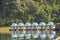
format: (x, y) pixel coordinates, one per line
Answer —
(9, 37)
(5, 37)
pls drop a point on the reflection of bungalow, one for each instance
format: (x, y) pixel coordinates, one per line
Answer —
(43, 36)
(51, 26)
(21, 36)
(14, 35)
(35, 35)
(28, 36)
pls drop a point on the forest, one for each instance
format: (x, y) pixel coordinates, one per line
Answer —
(29, 11)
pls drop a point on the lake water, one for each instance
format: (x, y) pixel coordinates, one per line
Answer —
(9, 37)
(5, 37)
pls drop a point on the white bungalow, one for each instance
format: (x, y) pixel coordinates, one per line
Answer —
(34, 25)
(51, 24)
(42, 24)
(20, 25)
(14, 25)
(28, 25)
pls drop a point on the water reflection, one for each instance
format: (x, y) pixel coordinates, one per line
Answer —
(5, 37)
(9, 37)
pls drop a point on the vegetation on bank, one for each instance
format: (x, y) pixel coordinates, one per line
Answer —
(29, 11)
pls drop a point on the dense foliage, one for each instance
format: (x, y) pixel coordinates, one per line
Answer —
(29, 11)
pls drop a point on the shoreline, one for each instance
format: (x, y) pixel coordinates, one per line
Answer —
(5, 30)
